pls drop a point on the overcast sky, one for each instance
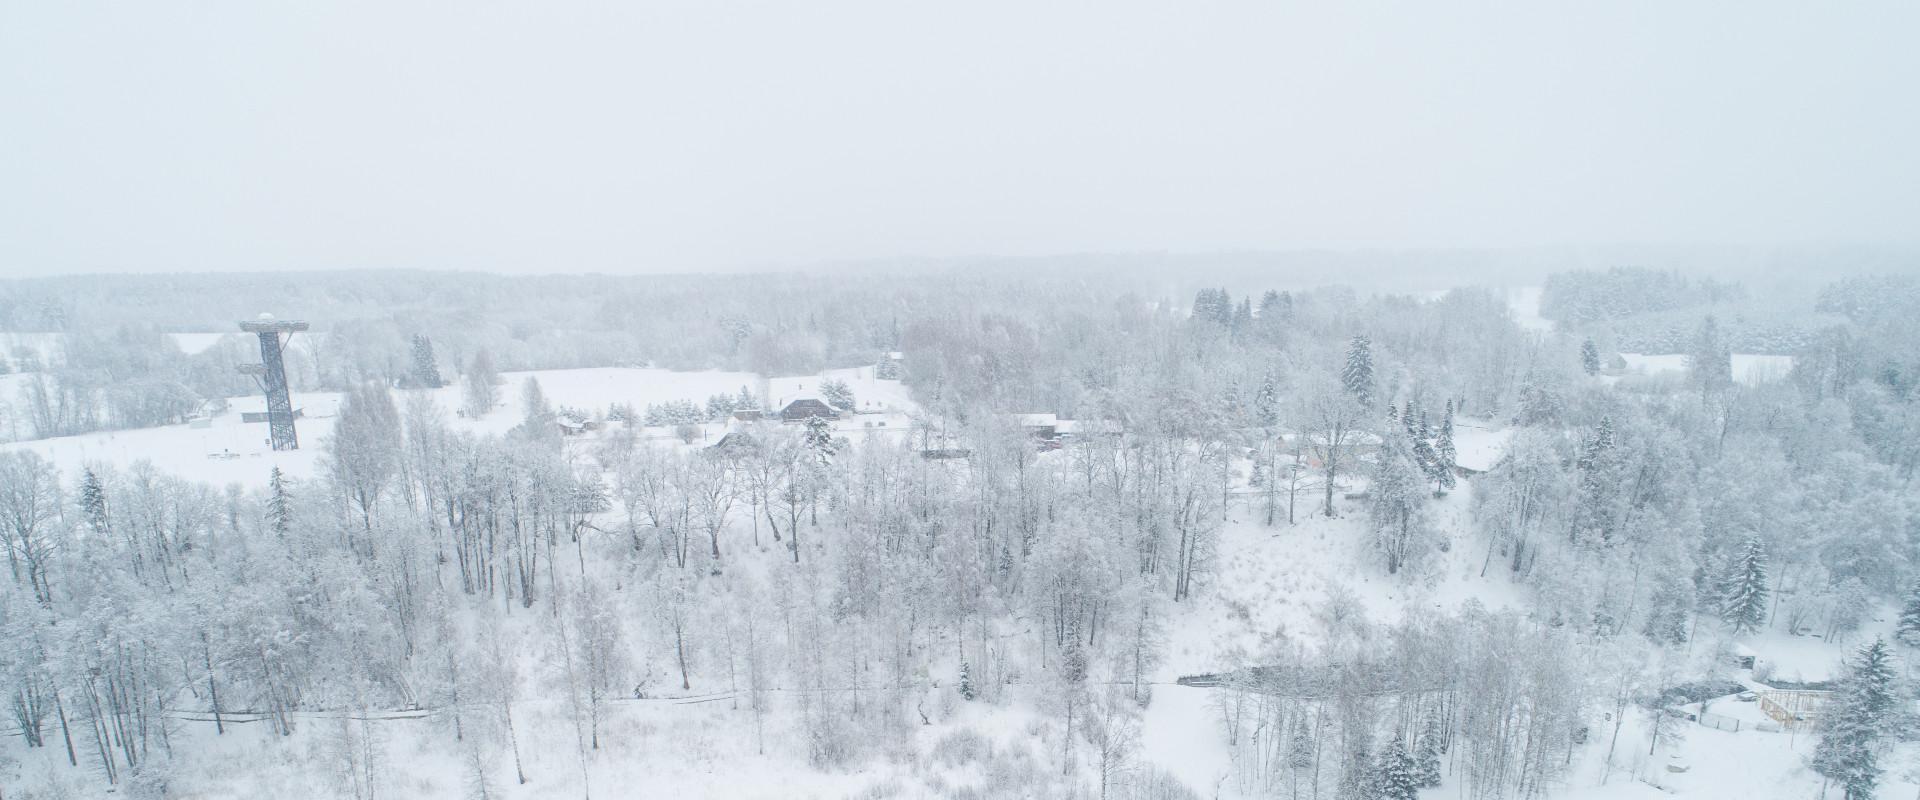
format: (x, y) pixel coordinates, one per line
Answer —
(671, 136)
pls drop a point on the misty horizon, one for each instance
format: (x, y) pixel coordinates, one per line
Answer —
(705, 137)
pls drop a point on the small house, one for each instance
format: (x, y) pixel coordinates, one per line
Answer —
(1045, 427)
(734, 442)
(805, 406)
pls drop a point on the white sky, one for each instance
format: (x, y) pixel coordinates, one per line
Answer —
(671, 136)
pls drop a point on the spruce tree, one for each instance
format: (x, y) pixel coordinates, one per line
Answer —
(1909, 631)
(1590, 357)
(1856, 719)
(1667, 612)
(1299, 752)
(1743, 597)
(967, 691)
(279, 504)
(1396, 777)
(1443, 449)
(1266, 403)
(837, 394)
(93, 504)
(426, 372)
(819, 440)
(1426, 752)
(1358, 374)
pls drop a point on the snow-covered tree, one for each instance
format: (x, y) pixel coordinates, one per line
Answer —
(837, 394)
(1395, 507)
(1357, 375)
(1590, 357)
(1909, 629)
(1709, 362)
(1743, 596)
(482, 389)
(1856, 719)
(1445, 456)
(1427, 751)
(425, 373)
(1397, 776)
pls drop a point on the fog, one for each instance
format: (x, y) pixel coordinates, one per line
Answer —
(725, 136)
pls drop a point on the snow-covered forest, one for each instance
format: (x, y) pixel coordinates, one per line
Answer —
(952, 533)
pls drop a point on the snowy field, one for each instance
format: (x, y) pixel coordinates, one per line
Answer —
(226, 450)
(1748, 368)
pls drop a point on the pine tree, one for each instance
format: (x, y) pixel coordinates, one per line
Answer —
(746, 400)
(837, 394)
(1743, 603)
(1299, 752)
(1856, 719)
(1266, 403)
(279, 504)
(819, 440)
(1396, 777)
(1358, 374)
(1300, 745)
(1443, 448)
(967, 691)
(93, 504)
(1590, 357)
(426, 372)
(1426, 752)
(1909, 631)
(1667, 612)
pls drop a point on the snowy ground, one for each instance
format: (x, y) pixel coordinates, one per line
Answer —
(1264, 587)
(226, 450)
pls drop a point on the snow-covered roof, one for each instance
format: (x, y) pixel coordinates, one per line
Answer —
(799, 396)
(1037, 420)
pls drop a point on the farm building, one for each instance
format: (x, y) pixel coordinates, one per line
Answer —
(805, 406)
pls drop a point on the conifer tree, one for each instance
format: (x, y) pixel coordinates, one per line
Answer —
(1357, 376)
(1860, 714)
(1667, 612)
(967, 691)
(1590, 357)
(1426, 752)
(279, 504)
(1396, 777)
(837, 394)
(1743, 603)
(1266, 403)
(426, 372)
(819, 440)
(1443, 449)
(93, 504)
(1299, 751)
(1909, 631)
